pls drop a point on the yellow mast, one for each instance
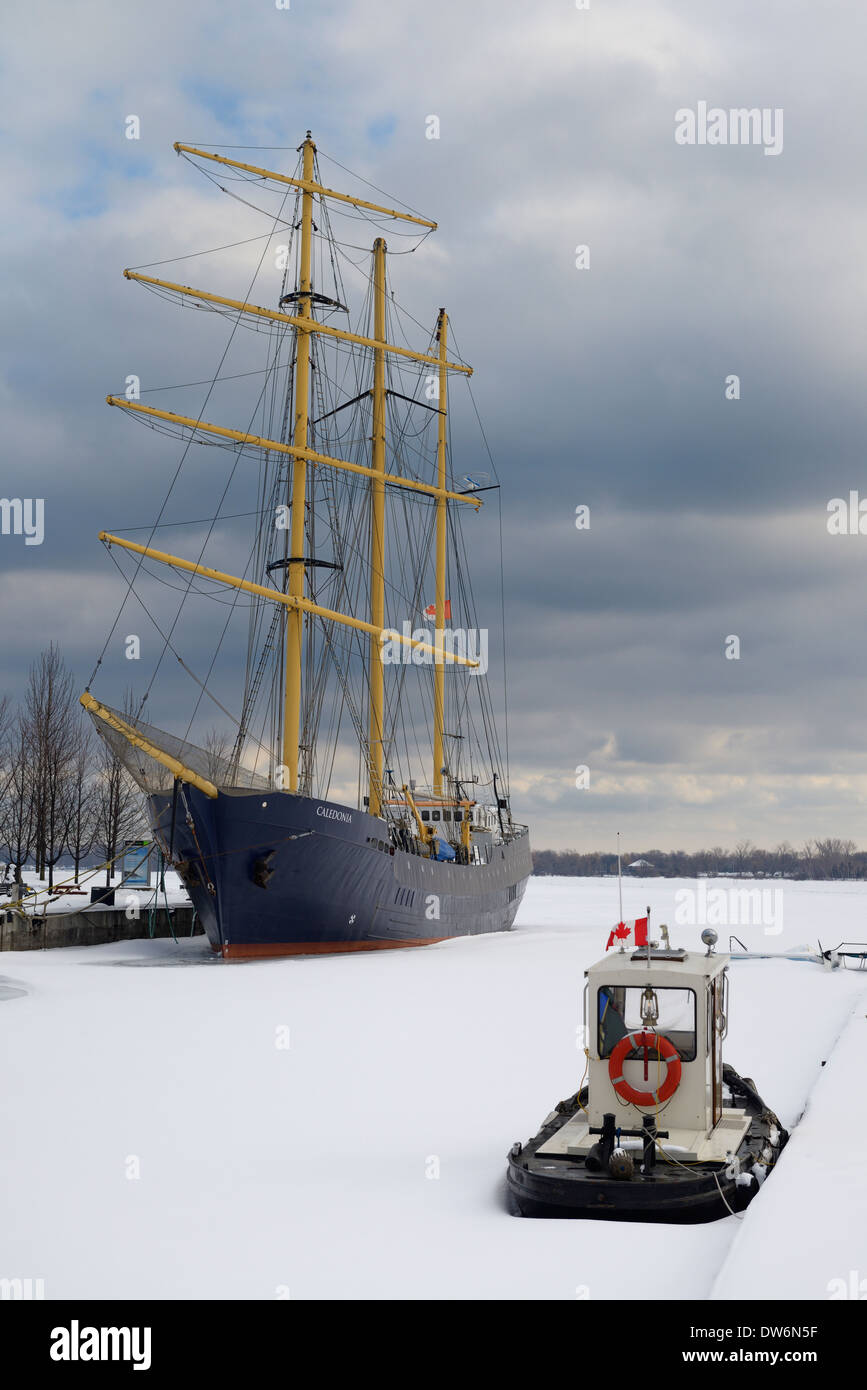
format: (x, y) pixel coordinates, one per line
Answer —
(260, 442)
(295, 586)
(178, 769)
(377, 537)
(305, 183)
(441, 537)
(277, 596)
(244, 306)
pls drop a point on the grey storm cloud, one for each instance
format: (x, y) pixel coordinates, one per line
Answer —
(602, 387)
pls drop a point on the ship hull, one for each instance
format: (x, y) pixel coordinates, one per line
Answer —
(272, 873)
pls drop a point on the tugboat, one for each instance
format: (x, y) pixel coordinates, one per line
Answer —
(664, 1130)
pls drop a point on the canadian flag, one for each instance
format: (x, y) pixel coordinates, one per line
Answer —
(431, 610)
(624, 930)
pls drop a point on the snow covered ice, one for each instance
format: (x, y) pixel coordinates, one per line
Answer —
(366, 1158)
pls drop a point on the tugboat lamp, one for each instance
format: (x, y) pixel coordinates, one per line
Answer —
(649, 1008)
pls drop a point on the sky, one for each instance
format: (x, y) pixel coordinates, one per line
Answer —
(606, 386)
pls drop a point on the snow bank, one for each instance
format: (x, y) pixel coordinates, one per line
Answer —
(806, 1233)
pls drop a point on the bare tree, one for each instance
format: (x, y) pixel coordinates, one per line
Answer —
(8, 745)
(18, 803)
(82, 798)
(117, 808)
(50, 724)
(831, 857)
(743, 853)
(118, 813)
(217, 751)
(7, 722)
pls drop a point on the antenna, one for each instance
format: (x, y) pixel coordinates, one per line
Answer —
(619, 878)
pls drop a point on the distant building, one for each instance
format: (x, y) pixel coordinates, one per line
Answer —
(640, 864)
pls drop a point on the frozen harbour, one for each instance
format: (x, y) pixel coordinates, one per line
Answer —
(162, 1140)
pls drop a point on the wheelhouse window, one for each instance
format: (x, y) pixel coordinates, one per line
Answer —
(621, 1009)
(435, 815)
(425, 815)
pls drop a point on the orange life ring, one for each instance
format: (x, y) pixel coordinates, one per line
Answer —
(665, 1049)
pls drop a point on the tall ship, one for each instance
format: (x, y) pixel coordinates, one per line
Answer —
(362, 800)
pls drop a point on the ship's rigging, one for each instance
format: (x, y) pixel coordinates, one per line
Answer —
(374, 542)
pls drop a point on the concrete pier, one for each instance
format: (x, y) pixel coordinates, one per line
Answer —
(92, 926)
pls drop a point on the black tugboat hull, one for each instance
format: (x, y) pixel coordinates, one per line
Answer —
(546, 1187)
(271, 874)
(596, 1197)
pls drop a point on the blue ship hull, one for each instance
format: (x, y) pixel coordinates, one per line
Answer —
(273, 873)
